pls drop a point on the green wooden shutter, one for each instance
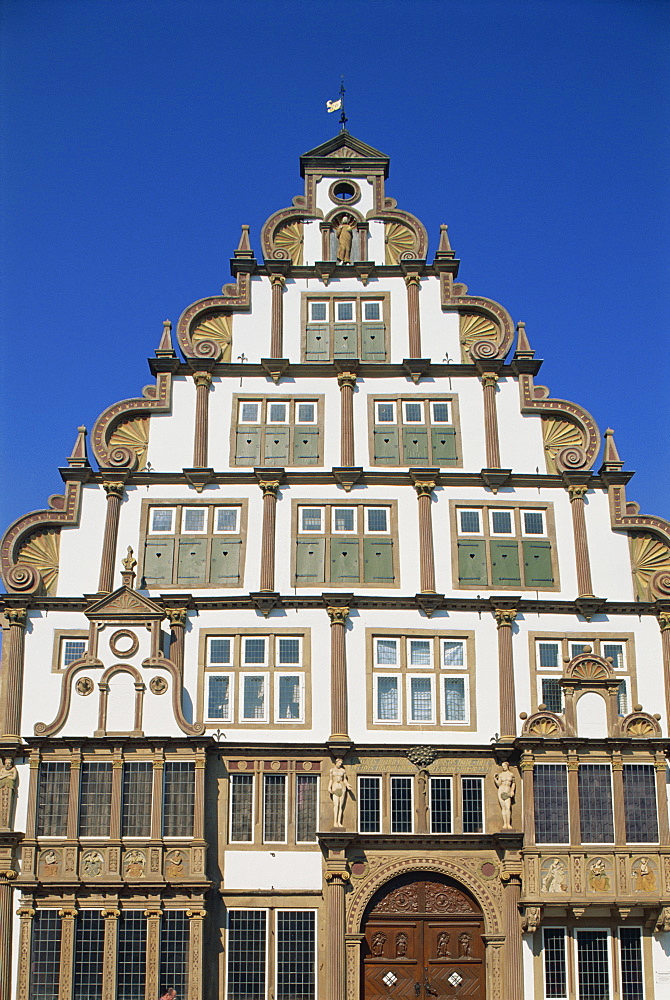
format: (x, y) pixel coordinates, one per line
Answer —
(505, 563)
(472, 561)
(344, 562)
(386, 446)
(226, 561)
(373, 342)
(158, 561)
(310, 559)
(378, 560)
(305, 445)
(276, 446)
(415, 445)
(346, 341)
(317, 342)
(537, 563)
(443, 440)
(191, 562)
(248, 450)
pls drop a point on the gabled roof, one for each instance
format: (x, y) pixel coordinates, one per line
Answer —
(124, 603)
(344, 146)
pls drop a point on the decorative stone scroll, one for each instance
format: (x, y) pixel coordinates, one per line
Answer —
(486, 328)
(571, 435)
(640, 725)
(111, 454)
(544, 724)
(204, 330)
(650, 562)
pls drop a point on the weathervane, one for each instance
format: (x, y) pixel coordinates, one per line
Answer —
(339, 106)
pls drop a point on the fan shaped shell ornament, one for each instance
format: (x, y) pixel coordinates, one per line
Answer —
(650, 559)
(480, 332)
(543, 724)
(40, 553)
(561, 438)
(400, 242)
(640, 725)
(132, 435)
(212, 337)
(288, 243)
(589, 668)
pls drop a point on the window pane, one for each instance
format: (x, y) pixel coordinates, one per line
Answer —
(555, 976)
(137, 786)
(88, 952)
(218, 699)
(53, 798)
(550, 785)
(421, 699)
(310, 518)
(289, 698)
(247, 936)
(595, 804)
(132, 955)
(254, 650)
(194, 519)
(162, 518)
(632, 980)
(453, 653)
(377, 519)
(386, 413)
(95, 799)
(372, 311)
(249, 413)
(615, 650)
(420, 652)
(501, 522)
(387, 699)
(306, 808)
(413, 413)
(226, 518)
(533, 522)
(344, 519)
(639, 790)
(306, 413)
(441, 413)
(178, 798)
(296, 955)
(454, 699)
(289, 650)
(548, 654)
(319, 311)
(345, 311)
(552, 696)
(470, 521)
(440, 805)
(73, 649)
(577, 648)
(369, 812)
(241, 807)
(254, 697)
(593, 966)
(219, 650)
(277, 413)
(175, 938)
(45, 957)
(622, 699)
(274, 808)
(387, 650)
(401, 805)
(473, 810)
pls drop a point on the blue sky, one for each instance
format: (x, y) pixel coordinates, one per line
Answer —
(138, 137)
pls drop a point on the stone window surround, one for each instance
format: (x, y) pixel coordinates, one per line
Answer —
(358, 298)
(420, 397)
(292, 399)
(257, 768)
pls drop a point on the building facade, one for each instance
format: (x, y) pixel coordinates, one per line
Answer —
(343, 672)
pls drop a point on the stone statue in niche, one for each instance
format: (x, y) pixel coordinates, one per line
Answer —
(377, 946)
(556, 878)
(645, 880)
(465, 945)
(443, 945)
(344, 231)
(91, 864)
(9, 780)
(134, 864)
(175, 865)
(338, 788)
(400, 945)
(506, 785)
(598, 877)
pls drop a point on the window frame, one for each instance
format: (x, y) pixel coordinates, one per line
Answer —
(264, 426)
(401, 423)
(564, 642)
(376, 778)
(333, 321)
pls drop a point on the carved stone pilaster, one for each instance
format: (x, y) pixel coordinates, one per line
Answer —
(270, 488)
(336, 882)
(424, 491)
(195, 920)
(664, 625)
(26, 916)
(338, 671)
(114, 490)
(203, 384)
(413, 283)
(489, 383)
(505, 620)
(13, 674)
(277, 320)
(152, 983)
(347, 383)
(110, 915)
(68, 917)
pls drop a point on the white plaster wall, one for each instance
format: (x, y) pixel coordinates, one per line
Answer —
(471, 405)
(268, 869)
(439, 330)
(377, 242)
(363, 205)
(311, 247)
(660, 951)
(81, 547)
(41, 687)
(251, 330)
(292, 298)
(611, 571)
(520, 436)
(399, 316)
(527, 959)
(171, 435)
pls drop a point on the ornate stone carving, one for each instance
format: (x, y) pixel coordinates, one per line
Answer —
(562, 439)
(338, 789)
(504, 617)
(599, 876)
(134, 864)
(269, 487)
(158, 685)
(132, 435)
(588, 667)
(554, 876)
(91, 864)
(480, 332)
(84, 686)
(422, 756)
(424, 488)
(338, 616)
(212, 337)
(49, 863)
(644, 876)
(505, 782)
(489, 380)
(174, 865)
(400, 243)
(346, 379)
(640, 725)
(663, 921)
(543, 724)
(202, 379)
(531, 919)
(9, 781)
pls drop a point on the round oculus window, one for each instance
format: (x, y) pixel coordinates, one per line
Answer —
(344, 192)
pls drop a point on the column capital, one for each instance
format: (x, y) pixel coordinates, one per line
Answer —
(196, 914)
(202, 378)
(333, 877)
(504, 617)
(177, 617)
(277, 279)
(114, 488)
(68, 912)
(338, 616)
(270, 487)
(489, 379)
(110, 913)
(526, 764)
(26, 912)
(664, 620)
(347, 379)
(17, 616)
(577, 491)
(424, 487)
(413, 279)
(153, 914)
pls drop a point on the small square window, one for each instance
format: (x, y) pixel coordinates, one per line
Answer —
(377, 520)
(277, 413)
(161, 520)
(289, 700)
(552, 696)
(254, 650)
(194, 520)
(305, 413)
(413, 413)
(470, 522)
(533, 522)
(253, 698)
(387, 699)
(218, 698)
(318, 312)
(219, 650)
(227, 519)
(501, 522)
(72, 649)
(453, 653)
(387, 651)
(250, 413)
(616, 651)
(372, 312)
(344, 312)
(455, 707)
(440, 412)
(420, 652)
(548, 654)
(344, 519)
(421, 699)
(288, 650)
(578, 648)
(385, 412)
(311, 519)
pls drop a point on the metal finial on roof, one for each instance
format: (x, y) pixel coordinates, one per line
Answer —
(343, 117)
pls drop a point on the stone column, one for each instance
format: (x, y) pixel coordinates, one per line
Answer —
(34, 769)
(68, 917)
(195, 921)
(277, 322)
(199, 797)
(117, 795)
(6, 924)
(73, 804)
(664, 625)
(13, 674)
(157, 799)
(335, 947)
(489, 383)
(353, 944)
(347, 382)
(178, 618)
(111, 918)
(505, 619)
(424, 490)
(270, 488)
(513, 977)
(617, 794)
(114, 491)
(573, 799)
(577, 493)
(26, 917)
(203, 383)
(661, 766)
(526, 766)
(152, 985)
(413, 283)
(338, 672)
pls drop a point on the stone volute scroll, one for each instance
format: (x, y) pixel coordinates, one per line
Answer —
(338, 789)
(505, 782)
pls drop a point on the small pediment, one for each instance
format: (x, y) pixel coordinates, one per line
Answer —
(124, 603)
(344, 146)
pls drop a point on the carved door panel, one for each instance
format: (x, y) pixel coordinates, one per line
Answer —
(454, 958)
(393, 956)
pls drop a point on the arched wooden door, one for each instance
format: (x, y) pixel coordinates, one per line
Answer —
(423, 938)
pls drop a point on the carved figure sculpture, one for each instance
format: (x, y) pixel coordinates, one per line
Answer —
(344, 231)
(50, 863)
(9, 779)
(129, 563)
(506, 785)
(134, 864)
(91, 864)
(598, 878)
(646, 880)
(400, 945)
(377, 946)
(338, 788)
(443, 945)
(465, 945)
(175, 865)
(555, 879)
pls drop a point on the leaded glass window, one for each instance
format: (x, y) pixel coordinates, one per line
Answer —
(178, 798)
(296, 955)
(595, 804)
(247, 945)
(45, 956)
(95, 798)
(630, 951)
(137, 788)
(174, 952)
(306, 808)
(274, 808)
(53, 798)
(593, 965)
(473, 805)
(555, 971)
(550, 787)
(401, 805)
(132, 956)
(639, 793)
(88, 955)
(241, 807)
(369, 804)
(440, 805)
